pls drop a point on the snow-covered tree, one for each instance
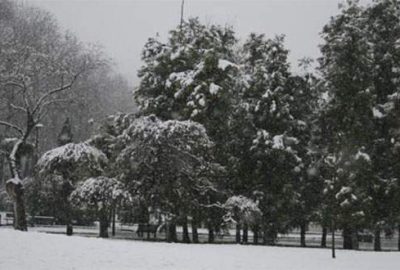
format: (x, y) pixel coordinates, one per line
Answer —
(60, 169)
(360, 66)
(99, 194)
(169, 165)
(243, 212)
(268, 99)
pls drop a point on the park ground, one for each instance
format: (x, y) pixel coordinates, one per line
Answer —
(41, 251)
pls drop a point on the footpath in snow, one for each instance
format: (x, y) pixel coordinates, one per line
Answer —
(40, 251)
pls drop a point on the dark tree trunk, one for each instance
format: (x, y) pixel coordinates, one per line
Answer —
(255, 235)
(186, 238)
(333, 229)
(303, 228)
(398, 235)
(265, 234)
(354, 238)
(195, 235)
(377, 240)
(19, 209)
(1, 168)
(245, 233)
(171, 232)
(238, 228)
(323, 238)
(113, 222)
(270, 237)
(211, 236)
(103, 225)
(69, 230)
(347, 238)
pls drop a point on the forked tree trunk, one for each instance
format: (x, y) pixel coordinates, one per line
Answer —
(323, 238)
(377, 240)
(303, 228)
(195, 235)
(185, 236)
(15, 189)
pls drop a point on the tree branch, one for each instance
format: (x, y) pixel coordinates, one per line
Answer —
(16, 107)
(16, 128)
(54, 91)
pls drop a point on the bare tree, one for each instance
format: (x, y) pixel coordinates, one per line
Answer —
(38, 65)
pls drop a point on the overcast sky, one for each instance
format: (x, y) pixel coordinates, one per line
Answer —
(123, 26)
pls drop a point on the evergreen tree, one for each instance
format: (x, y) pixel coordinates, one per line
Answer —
(268, 99)
(360, 68)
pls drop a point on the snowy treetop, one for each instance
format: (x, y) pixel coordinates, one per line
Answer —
(80, 153)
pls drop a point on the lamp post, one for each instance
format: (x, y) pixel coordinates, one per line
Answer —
(37, 133)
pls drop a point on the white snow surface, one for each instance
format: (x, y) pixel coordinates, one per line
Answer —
(39, 251)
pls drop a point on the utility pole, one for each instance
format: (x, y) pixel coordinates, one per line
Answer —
(182, 11)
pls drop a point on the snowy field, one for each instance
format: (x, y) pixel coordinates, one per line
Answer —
(40, 251)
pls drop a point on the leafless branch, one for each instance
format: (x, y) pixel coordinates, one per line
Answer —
(42, 100)
(16, 128)
(16, 107)
(42, 111)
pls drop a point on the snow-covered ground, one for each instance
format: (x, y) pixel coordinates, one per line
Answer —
(34, 251)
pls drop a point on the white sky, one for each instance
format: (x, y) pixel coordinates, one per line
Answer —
(123, 26)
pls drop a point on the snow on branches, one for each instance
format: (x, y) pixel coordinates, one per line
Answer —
(69, 156)
(98, 193)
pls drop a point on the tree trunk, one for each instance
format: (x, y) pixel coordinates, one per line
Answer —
(69, 229)
(210, 234)
(271, 236)
(238, 228)
(113, 221)
(1, 168)
(15, 189)
(398, 240)
(195, 235)
(171, 233)
(333, 229)
(377, 240)
(347, 238)
(245, 233)
(19, 209)
(255, 235)
(185, 236)
(323, 238)
(265, 234)
(103, 225)
(303, 228)
(354, 238)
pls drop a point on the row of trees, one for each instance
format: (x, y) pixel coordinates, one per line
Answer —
(317, 147)
(226, 132)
